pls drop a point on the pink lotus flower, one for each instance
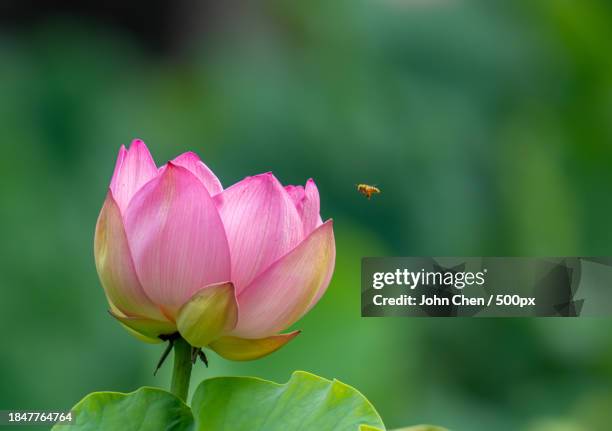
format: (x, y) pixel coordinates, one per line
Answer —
(227, 269)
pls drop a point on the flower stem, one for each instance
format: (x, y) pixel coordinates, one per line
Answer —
(181, 372)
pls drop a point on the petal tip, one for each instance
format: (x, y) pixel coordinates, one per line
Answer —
(265, 176)
(191, 154)
(172, 167)
(137, 142)
(138, 146)
(187, 156)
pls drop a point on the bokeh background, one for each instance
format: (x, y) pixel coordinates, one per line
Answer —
(487, 125)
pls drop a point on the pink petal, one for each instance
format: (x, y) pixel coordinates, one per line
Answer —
(118, 164)
(311, 207)
(116, 268)
(306, 200)
(192, 162)
(285, 291)
(177, 238)
(134, 168)
(297, 196)
(262, 224)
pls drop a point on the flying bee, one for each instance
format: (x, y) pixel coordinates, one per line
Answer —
(367, 190)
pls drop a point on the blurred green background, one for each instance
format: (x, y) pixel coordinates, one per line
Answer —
(487, 125)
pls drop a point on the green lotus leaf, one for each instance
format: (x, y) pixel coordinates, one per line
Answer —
(412, 428)
(306, 402)
(146, 409)
(422, 428)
